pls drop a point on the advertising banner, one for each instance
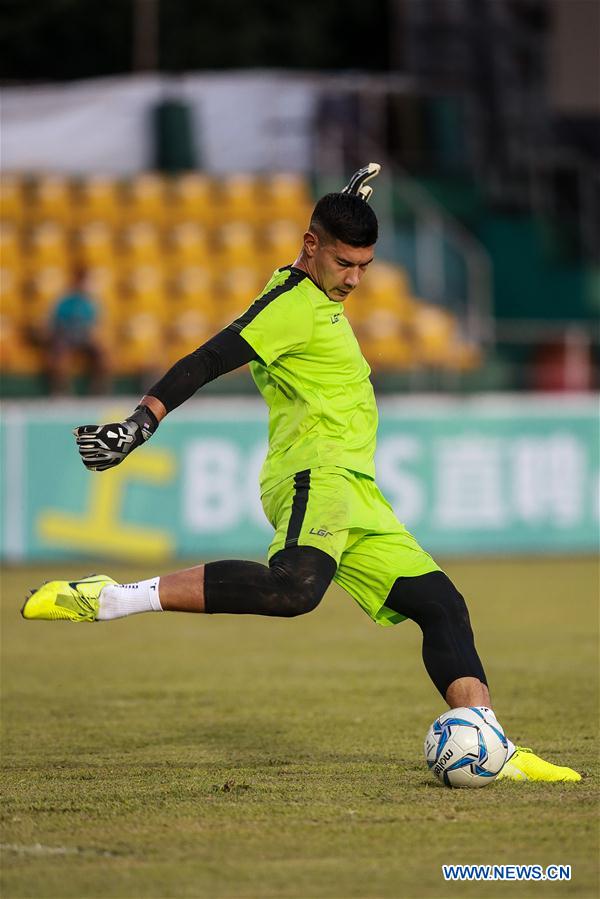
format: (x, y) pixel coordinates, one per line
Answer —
(467, 476)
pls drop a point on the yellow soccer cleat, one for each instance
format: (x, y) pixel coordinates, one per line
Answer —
(66, 600)
(526, 765)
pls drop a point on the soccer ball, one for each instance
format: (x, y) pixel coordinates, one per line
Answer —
(465, 748)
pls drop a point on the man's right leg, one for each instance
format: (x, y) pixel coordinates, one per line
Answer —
(292, 584)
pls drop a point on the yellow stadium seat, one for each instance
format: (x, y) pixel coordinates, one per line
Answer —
(235, 290)
(11, 292)
(286, 196)
(280, 243)
(236, 246)
(191, 199)
(51, 200)
(140, 244)
(187, 244)
(384, 335)
(187, 331)
(436, 335)
(145, 199)
(467, 356)
(103, 284)
(95, 245)
(99, 199)
(383, 295)
(46, 286)
(140, 339)
(192, 288)
(383, 280)
(17, 354)
(237, 200)
(143, 291)
(286, 189)
(13, 200)
(390, 353)
(48, 245)
(11, 249)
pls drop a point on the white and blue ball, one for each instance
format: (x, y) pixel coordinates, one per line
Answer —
(465, 747)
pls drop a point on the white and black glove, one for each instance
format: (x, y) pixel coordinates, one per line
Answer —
(104, 446)
(357, 186)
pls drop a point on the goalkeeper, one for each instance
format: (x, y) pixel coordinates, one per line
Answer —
(317, 483)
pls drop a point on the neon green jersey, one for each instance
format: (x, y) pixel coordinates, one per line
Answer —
(313, 378)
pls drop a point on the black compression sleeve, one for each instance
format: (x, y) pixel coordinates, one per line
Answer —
(224, 352)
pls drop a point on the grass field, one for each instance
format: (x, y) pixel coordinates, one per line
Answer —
(173, 755)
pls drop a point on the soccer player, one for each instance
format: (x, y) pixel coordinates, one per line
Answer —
(318, 486)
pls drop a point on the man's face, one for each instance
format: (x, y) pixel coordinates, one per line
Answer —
(335, 266)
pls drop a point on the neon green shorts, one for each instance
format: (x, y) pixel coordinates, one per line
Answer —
(344, 514)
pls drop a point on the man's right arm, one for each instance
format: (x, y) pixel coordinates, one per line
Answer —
(104, 446)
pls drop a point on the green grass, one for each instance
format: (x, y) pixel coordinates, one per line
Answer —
(174, 755)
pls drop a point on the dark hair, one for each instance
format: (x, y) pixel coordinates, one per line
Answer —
(347, 218)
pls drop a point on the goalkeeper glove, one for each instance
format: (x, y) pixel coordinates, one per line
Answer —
(357, 186)
(104, 446)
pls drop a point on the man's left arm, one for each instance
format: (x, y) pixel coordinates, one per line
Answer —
(104, 446)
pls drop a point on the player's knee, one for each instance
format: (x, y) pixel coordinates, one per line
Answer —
(430, 600)
(301, 590)
(300, 597)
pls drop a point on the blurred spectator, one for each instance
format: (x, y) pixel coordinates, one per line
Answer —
(74, 338)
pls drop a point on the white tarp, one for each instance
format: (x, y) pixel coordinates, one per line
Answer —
(248, 121)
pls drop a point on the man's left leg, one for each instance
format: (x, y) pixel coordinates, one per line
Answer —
(452, 662)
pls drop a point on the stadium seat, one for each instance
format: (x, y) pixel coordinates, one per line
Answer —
(235, 290)
(237, 200)
(467, 356)
(385, 288)
(285, 196)
(236, 246)
(44, 288)
(11, 249)
(187, 244)
(51, 200)
(12, 198)
(192, 288)
(384, 280)
(280, 242)
(95, 245)
(436, 335)
(140, 244)
(145, 200)
(383, 332)
(187, 330)
(98, 199)
(48, 245)
(17, 354)
(387, 347)
(191, 199)
(103, 284)
(143, 290)
(140, 339)
(11, 292)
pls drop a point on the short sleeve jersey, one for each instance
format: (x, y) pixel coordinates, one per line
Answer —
(313, 377)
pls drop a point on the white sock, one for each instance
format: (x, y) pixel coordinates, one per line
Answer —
(119, 600)
(489, 713)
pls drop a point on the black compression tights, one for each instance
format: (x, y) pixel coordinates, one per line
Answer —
(296, 580)
(438, 608)
(293, 584)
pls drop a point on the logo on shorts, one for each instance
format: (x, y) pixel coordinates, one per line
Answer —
(321, 532)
